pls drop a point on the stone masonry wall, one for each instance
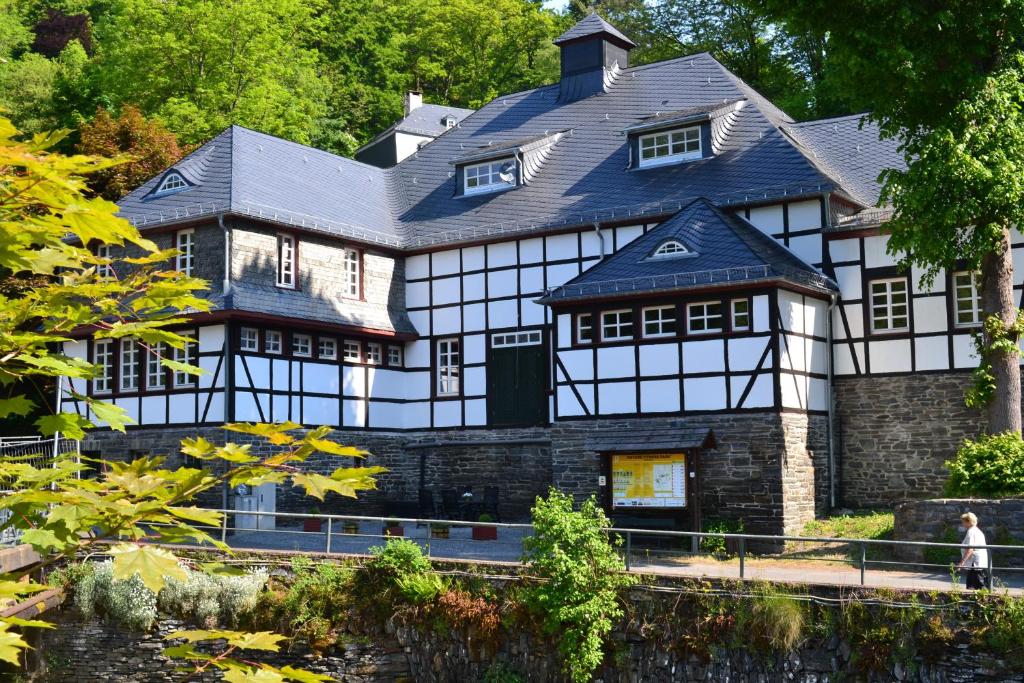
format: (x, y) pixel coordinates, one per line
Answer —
(1002, 521)
(895, 433)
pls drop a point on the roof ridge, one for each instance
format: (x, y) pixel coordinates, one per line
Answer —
(831, 119)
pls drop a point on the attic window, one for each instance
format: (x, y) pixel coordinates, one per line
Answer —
(670, 146)
(490, 176)
(448, 121)
(670, 248)
(172, 182)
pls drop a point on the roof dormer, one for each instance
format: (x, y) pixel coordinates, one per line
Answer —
(172, 182)
(592, 51)
(674, 137)
(500, 166)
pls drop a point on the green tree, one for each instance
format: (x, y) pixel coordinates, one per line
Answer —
(947, 81)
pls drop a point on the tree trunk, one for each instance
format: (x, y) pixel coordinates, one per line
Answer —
(997, 299)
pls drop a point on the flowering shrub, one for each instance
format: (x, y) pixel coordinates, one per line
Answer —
(127, 601)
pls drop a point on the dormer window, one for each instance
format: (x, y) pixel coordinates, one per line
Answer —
(670, 146)
(490, 176)
(171, 183)
(448, 122)
(670, 248)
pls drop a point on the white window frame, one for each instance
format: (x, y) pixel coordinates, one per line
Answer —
(676, 136)
(184, 242)
(972, 298)
(249, 339)
(104, 270)
(302, 345)
(449, 354)
(670, 249)
(327, 348)
(589, 326)
(703, 314)
(189, 356)
(395, 356)
(352, 273)
(287, 252)
(508, 339)
(352, 351)
(172, 182)
(374, 354)
(103, 358)
(734, 315)
(486, 177)
(129, 365)
(618, 325)
(655, 315)
(156, 374)
(273, 342)
(887, 310)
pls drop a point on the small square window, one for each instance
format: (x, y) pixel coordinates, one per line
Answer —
(395, 356)
(327, 348)
(249, 339)
(374, 355)
(352, 351)
(890, 311)
(585, 328)
(660, 321)
(704, 317)
(302, 345)
(616, 325)
(740, 315)
(272, 341)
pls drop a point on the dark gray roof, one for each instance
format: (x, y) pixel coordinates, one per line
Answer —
(651, 440)
(427, 119)
(592, 25)
(852, 150)
(723, 250)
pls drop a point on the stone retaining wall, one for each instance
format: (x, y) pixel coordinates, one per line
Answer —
(938, 520)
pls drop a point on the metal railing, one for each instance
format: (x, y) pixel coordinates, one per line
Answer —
(38, 451)
(650, 551)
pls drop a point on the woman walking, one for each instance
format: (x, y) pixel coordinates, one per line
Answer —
(975, 556)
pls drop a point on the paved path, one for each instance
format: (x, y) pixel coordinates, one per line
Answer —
(508, 548)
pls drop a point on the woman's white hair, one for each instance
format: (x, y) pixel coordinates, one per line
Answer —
(970, 518)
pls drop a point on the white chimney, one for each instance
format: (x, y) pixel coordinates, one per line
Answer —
(413, 100)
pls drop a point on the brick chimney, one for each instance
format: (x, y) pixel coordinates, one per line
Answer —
(413, 100)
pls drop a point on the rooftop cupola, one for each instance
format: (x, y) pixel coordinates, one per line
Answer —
(592, 51)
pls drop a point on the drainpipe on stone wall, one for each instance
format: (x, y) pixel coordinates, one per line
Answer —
(831, 405)
(228, 360)
(600, 238)
(227, 253)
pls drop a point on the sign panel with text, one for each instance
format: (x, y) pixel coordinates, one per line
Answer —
(649, 480)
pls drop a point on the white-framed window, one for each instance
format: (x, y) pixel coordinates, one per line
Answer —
(506, 339)
(889, 307)
(184, 242)
(616, 325)
(659, 321)
(104, 270)
(740, 315)
(670, 146)
(156, 375)
(188, 356)
(327, 348)
(352, 351)
(966, 299)
(374, 354)
(302, 345)
(585, 328)
(286, 261)
(449, 122)
(172, 182)
(489, 176)
(448, 354)
(704, 317)
(395, 356)
(129, 365)
(670, 248)
(249, 339)
(352, 274)
(272, 341)
(103, 358)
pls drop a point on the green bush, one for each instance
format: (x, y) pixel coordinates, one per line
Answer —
(126, 602)
(991, 467)
(397, 558)
(715, 545)
(577, 596)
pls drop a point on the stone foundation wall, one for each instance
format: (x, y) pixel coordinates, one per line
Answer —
(895, 433)
(1001, 520)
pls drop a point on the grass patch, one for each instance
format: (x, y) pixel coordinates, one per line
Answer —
(872, 524)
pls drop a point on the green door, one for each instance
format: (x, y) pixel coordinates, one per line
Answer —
(517, 384)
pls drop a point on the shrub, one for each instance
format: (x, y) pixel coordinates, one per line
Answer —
(991, 467)
(715, 545)
(500, 673)
(127, 602)
(477, 614)
(581, 574)
(771, 621)
(420, 589)
(1004, 619)
(398, 558)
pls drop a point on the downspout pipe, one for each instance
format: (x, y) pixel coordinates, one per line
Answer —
(600, 238)
(227, 253)
(831, 404)
(229, 361)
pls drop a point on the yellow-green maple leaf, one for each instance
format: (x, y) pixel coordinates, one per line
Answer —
(153, 565)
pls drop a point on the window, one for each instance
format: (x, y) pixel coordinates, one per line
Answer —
(155, 375)
(670, 248)
(704, 317)
(967, 299)
(103, 359)
(740, 315)
(395, 356)
(449, 122)
(374, 355)
(351, 281)
(352, 351)
(616, 325)
(660, 321)
(490, 176)
(272, 341)
(249, 339)
(104, 270)
(327, 348)
(302, 345)
(172, 182)
(448, 367)
(286, 261)
(889, 310)
(585, 328)
(129, 365)
(532, 338)
(184, 243)
(669, 146)
(186, 355)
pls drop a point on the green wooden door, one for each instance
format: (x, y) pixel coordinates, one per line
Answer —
(517, 385)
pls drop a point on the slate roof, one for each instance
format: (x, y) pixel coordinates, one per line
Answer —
(724, 250)
(590, 25)
(425, 120)
(651, 440)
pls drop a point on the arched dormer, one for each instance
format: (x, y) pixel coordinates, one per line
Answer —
(670, 248)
